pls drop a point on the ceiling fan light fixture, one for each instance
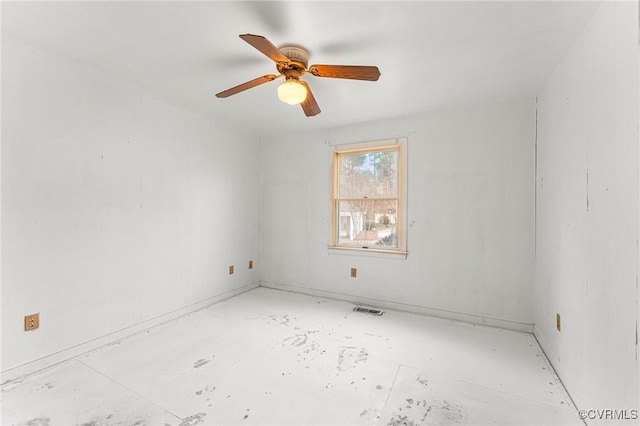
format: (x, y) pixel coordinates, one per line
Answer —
(292, 92)
(292, 62)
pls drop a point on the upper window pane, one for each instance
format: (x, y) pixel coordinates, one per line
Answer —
(369, 174)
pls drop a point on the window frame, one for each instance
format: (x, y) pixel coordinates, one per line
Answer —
(395, 144)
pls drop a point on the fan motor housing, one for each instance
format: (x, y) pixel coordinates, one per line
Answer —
(297, 55)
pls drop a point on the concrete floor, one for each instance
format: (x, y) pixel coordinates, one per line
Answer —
(272, 357)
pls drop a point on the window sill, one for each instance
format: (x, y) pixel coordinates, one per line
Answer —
(355, 251)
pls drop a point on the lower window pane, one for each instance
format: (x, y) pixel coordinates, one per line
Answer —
(367, 223)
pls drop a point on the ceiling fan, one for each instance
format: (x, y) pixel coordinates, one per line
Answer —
(292, 63)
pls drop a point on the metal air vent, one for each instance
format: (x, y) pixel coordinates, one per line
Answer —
(367, 310)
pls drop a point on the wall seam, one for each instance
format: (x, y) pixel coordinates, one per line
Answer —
(535, 191)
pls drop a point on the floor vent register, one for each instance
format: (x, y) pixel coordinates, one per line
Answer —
(366, 310)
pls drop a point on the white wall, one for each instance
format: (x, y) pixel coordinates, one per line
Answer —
(471, 215)
(588, 212)
(116, 208)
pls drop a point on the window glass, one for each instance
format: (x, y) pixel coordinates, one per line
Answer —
(368, 223)
(368, 174)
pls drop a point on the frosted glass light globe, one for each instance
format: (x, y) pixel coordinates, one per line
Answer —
(292, 92)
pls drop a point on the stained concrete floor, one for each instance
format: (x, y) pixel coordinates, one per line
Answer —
(268, 357)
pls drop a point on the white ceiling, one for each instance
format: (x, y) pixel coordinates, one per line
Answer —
(431, 54)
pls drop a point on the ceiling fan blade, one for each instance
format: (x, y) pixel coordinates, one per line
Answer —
(309, 105)
(354, 72)
(266, 47)
(248, 85)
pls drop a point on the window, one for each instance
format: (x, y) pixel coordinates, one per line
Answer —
(369, 197)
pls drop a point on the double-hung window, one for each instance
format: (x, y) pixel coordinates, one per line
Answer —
(369, 197)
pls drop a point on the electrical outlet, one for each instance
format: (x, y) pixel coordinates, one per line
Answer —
(558, 322)
(354, 272)
(31, 322)
(251, 264)
(230, 269)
